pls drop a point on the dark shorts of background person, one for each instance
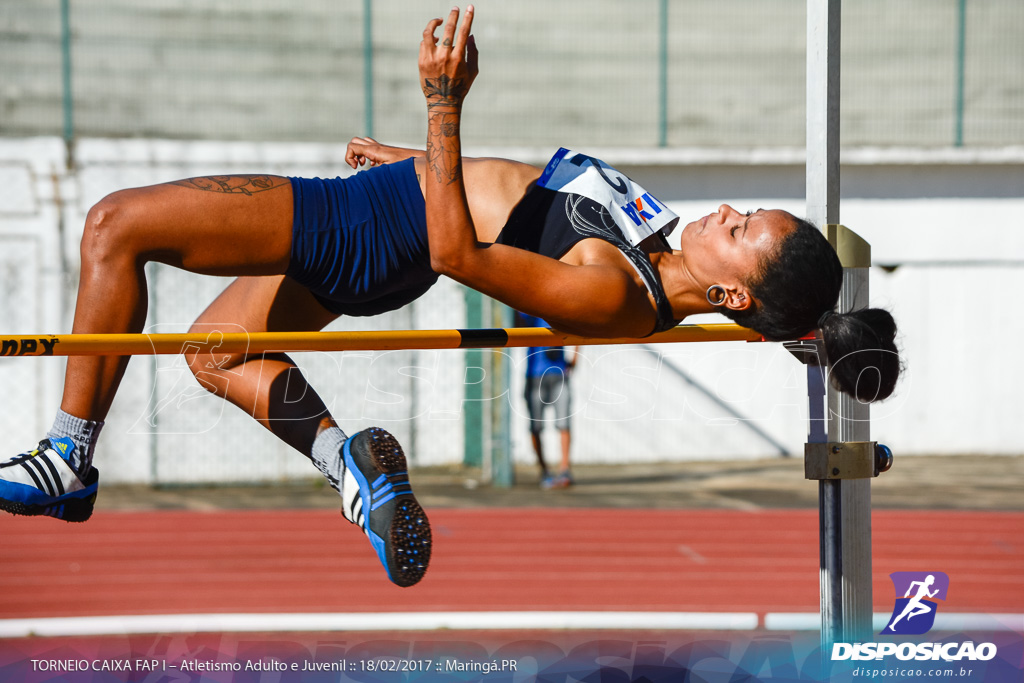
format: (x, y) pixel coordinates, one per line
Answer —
(550, 389)
(359, 244)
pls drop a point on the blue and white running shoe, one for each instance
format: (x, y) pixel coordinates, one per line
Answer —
(377, 497)
(42, 482)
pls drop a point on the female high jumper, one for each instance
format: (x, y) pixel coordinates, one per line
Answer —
(577, 244)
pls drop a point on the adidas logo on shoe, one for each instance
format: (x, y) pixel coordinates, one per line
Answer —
(42, 482)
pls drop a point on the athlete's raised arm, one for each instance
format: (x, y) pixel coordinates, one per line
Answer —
(599, 300)
(447, 70)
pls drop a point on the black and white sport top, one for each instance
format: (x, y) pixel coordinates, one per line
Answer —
(550, 221)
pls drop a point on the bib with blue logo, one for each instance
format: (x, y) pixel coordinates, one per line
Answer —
(635, 211)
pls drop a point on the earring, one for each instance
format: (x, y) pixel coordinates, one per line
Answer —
(719, 295)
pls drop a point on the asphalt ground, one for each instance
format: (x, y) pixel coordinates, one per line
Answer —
(969, 482)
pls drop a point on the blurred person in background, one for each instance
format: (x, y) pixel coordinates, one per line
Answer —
(548, 374)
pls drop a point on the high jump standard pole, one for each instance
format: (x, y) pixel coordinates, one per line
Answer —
(844, 504)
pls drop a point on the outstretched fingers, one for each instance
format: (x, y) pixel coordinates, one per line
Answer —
(462, 40)
(454, 38)
(449, 28)
(449, 67)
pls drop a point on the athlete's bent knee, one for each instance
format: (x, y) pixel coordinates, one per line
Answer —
(203, 359)
(107, 228)
(213, 371)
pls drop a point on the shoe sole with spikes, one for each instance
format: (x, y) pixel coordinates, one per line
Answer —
(378, 498)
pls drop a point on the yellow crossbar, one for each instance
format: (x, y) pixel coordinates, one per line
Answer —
(260, 342)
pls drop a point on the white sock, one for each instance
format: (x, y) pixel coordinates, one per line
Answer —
(83, 433)
(327, 455)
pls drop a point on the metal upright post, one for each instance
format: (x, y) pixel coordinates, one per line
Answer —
(368, 115)
(69, 95)
(472, 405)
(663, 73)
(503, 473)
(845, 504)
(823, 31)
(851, 422)
(961, 58)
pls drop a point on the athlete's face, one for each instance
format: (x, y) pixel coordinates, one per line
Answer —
(726, 248)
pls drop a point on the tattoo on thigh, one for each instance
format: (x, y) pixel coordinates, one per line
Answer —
(233, 184)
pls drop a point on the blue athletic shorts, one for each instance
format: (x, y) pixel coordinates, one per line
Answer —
(359, 244)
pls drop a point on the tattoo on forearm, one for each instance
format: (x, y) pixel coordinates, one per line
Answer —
(444, 91)
(444, 154)
(233, 184)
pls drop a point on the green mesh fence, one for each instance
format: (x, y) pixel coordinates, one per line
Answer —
(583, 73)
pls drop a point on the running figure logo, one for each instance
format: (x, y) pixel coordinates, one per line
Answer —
(914, 613)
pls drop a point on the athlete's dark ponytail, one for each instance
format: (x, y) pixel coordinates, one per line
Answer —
(861, 351)
(797, 287)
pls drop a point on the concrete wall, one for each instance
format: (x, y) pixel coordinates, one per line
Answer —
(574, 72)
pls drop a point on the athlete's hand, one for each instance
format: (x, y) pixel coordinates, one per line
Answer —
(448, 67)
(362, 151)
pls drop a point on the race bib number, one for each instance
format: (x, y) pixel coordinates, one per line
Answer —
(638, 214)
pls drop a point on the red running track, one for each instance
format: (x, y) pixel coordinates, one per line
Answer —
(486, 559)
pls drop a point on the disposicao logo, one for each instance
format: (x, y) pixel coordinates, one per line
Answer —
(914, 613)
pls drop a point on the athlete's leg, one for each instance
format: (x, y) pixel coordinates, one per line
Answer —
(223, 226)
(227, 225)
(369, 470)
(267, 386)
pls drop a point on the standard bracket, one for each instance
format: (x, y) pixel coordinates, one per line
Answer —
(853, 250)
(846, 460)
(807, 351)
